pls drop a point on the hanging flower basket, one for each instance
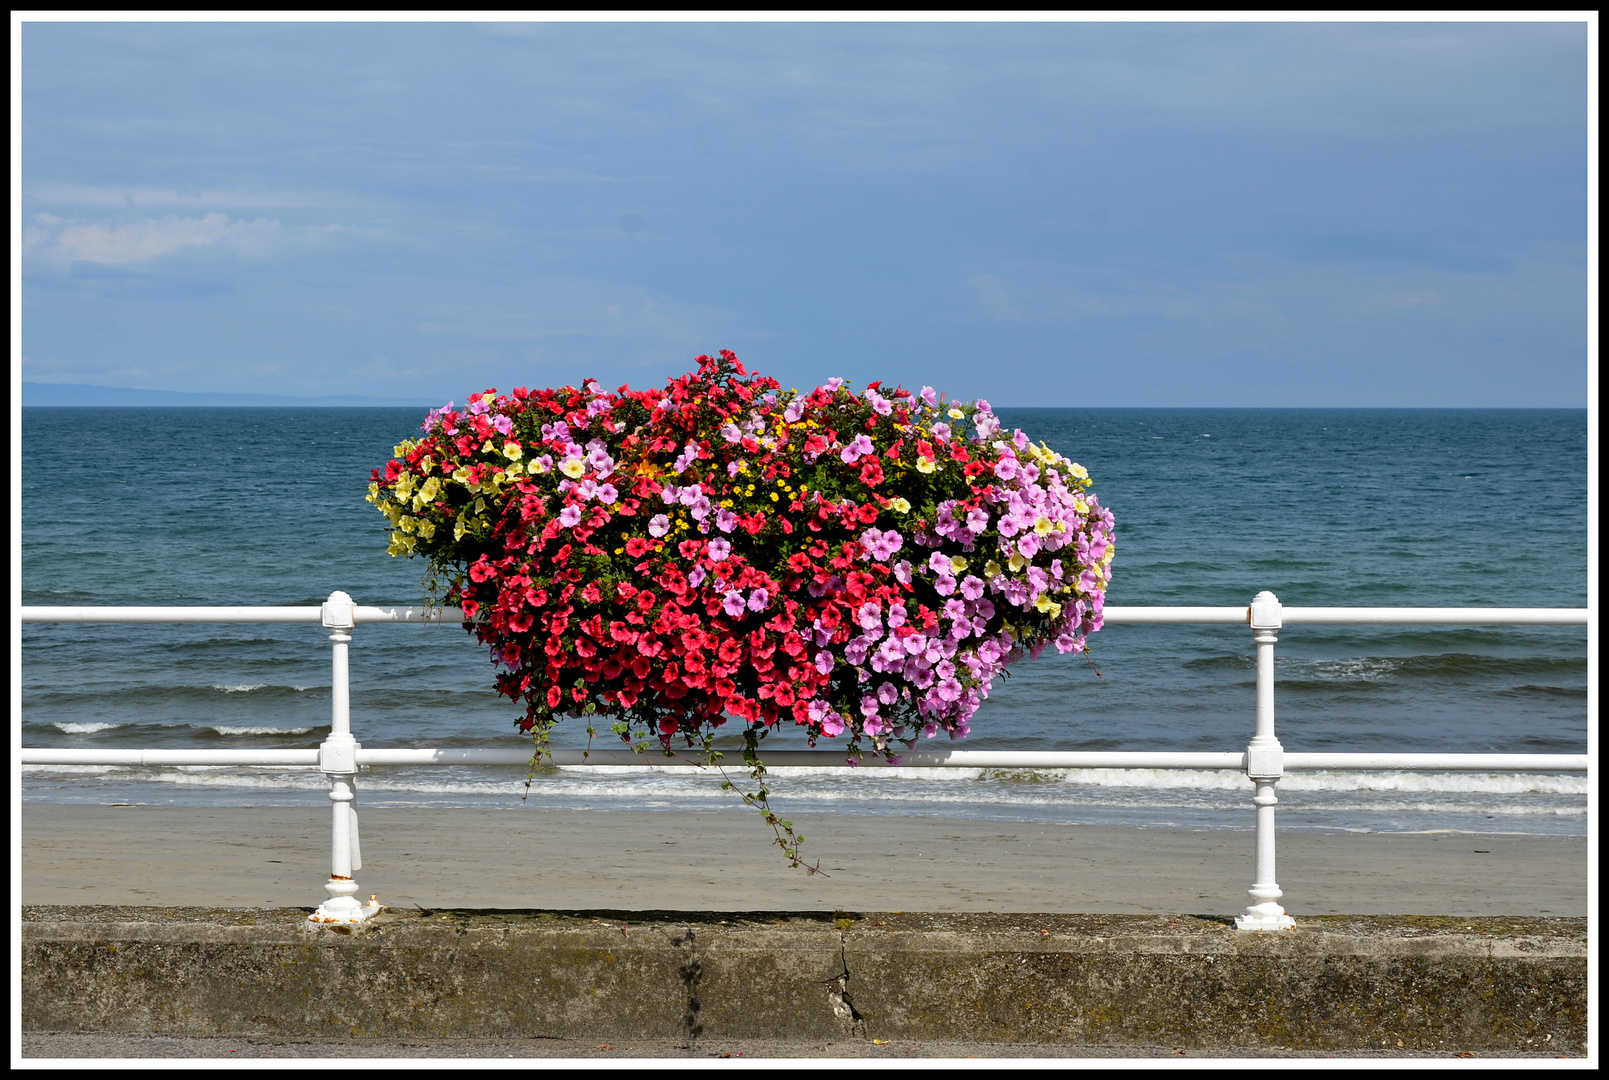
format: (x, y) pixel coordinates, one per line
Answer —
(861, 565)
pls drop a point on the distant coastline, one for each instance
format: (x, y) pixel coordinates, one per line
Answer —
(82, 394)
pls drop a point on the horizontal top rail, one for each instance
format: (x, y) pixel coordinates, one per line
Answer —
(308, 614)
(1114, 616)
(1519, 616)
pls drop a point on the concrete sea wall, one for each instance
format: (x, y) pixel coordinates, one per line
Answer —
(1336, 983)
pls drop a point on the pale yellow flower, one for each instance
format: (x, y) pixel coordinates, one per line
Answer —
(1016, 562)
(957, 563)
(899, 506)
(991, 569)
(956, 413)
(512, 450)
(1043, 525)
(573, 468)
(925, 465)
(1048, 606)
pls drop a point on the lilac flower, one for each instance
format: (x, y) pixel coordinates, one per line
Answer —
(699, 508)
(880, 405)
(941, 430)
(696, 576)
(758, 599)
(896, 615)
(570, 517)
(929, 396)
(868, 707)
(831, 724)
(725, 520)
(869, 615)
(731, 433)
(954, 609)
(971, 587)
(607, 494)
(794, 410)
(719, 550)
(857, 448)
(833, 385)
(824, 662)
(881, 545)
(1006, 468)
(855, 650)
(658, 525)
(478, 406)
(690, 494)
(977, 519)
(688, 455)
(732, 603)
(503, 424)
(902, 572)
(670, 494)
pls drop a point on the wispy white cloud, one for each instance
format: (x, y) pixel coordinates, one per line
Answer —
(60, 242)
(123, 197)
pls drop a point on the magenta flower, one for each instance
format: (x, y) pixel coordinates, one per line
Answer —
(732, 603)
(758, 599)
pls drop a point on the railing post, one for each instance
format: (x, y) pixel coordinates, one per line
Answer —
(1265, 764)
(338, 759)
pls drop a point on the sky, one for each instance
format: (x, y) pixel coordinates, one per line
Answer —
(1055, 214)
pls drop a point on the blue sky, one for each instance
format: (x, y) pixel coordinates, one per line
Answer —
(1045, 214)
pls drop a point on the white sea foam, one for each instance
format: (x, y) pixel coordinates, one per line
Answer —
(239, 688)
(227, 729)
(72, 728)
(1186, 779)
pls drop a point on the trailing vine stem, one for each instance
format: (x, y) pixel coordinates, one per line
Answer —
(786, 837)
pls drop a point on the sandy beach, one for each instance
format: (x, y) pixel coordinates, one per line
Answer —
(277, 856)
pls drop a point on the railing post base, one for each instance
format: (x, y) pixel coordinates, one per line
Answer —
(1269, 916)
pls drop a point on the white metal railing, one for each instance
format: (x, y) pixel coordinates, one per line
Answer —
(1264, 760)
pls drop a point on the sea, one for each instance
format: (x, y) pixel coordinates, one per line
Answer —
(1390, 507)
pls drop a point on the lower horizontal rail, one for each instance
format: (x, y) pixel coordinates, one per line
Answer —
(918, 759)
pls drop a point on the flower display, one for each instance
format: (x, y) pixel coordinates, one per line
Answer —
(859, 564)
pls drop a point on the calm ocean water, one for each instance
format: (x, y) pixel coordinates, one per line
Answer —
(1324, 507)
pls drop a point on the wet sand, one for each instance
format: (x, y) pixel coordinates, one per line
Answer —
(276, 856)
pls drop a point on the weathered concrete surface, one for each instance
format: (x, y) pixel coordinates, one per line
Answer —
(1337, 983)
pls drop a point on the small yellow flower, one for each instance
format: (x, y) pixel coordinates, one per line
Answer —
(1048, 606)
(1078, 471)
(1081, 506)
